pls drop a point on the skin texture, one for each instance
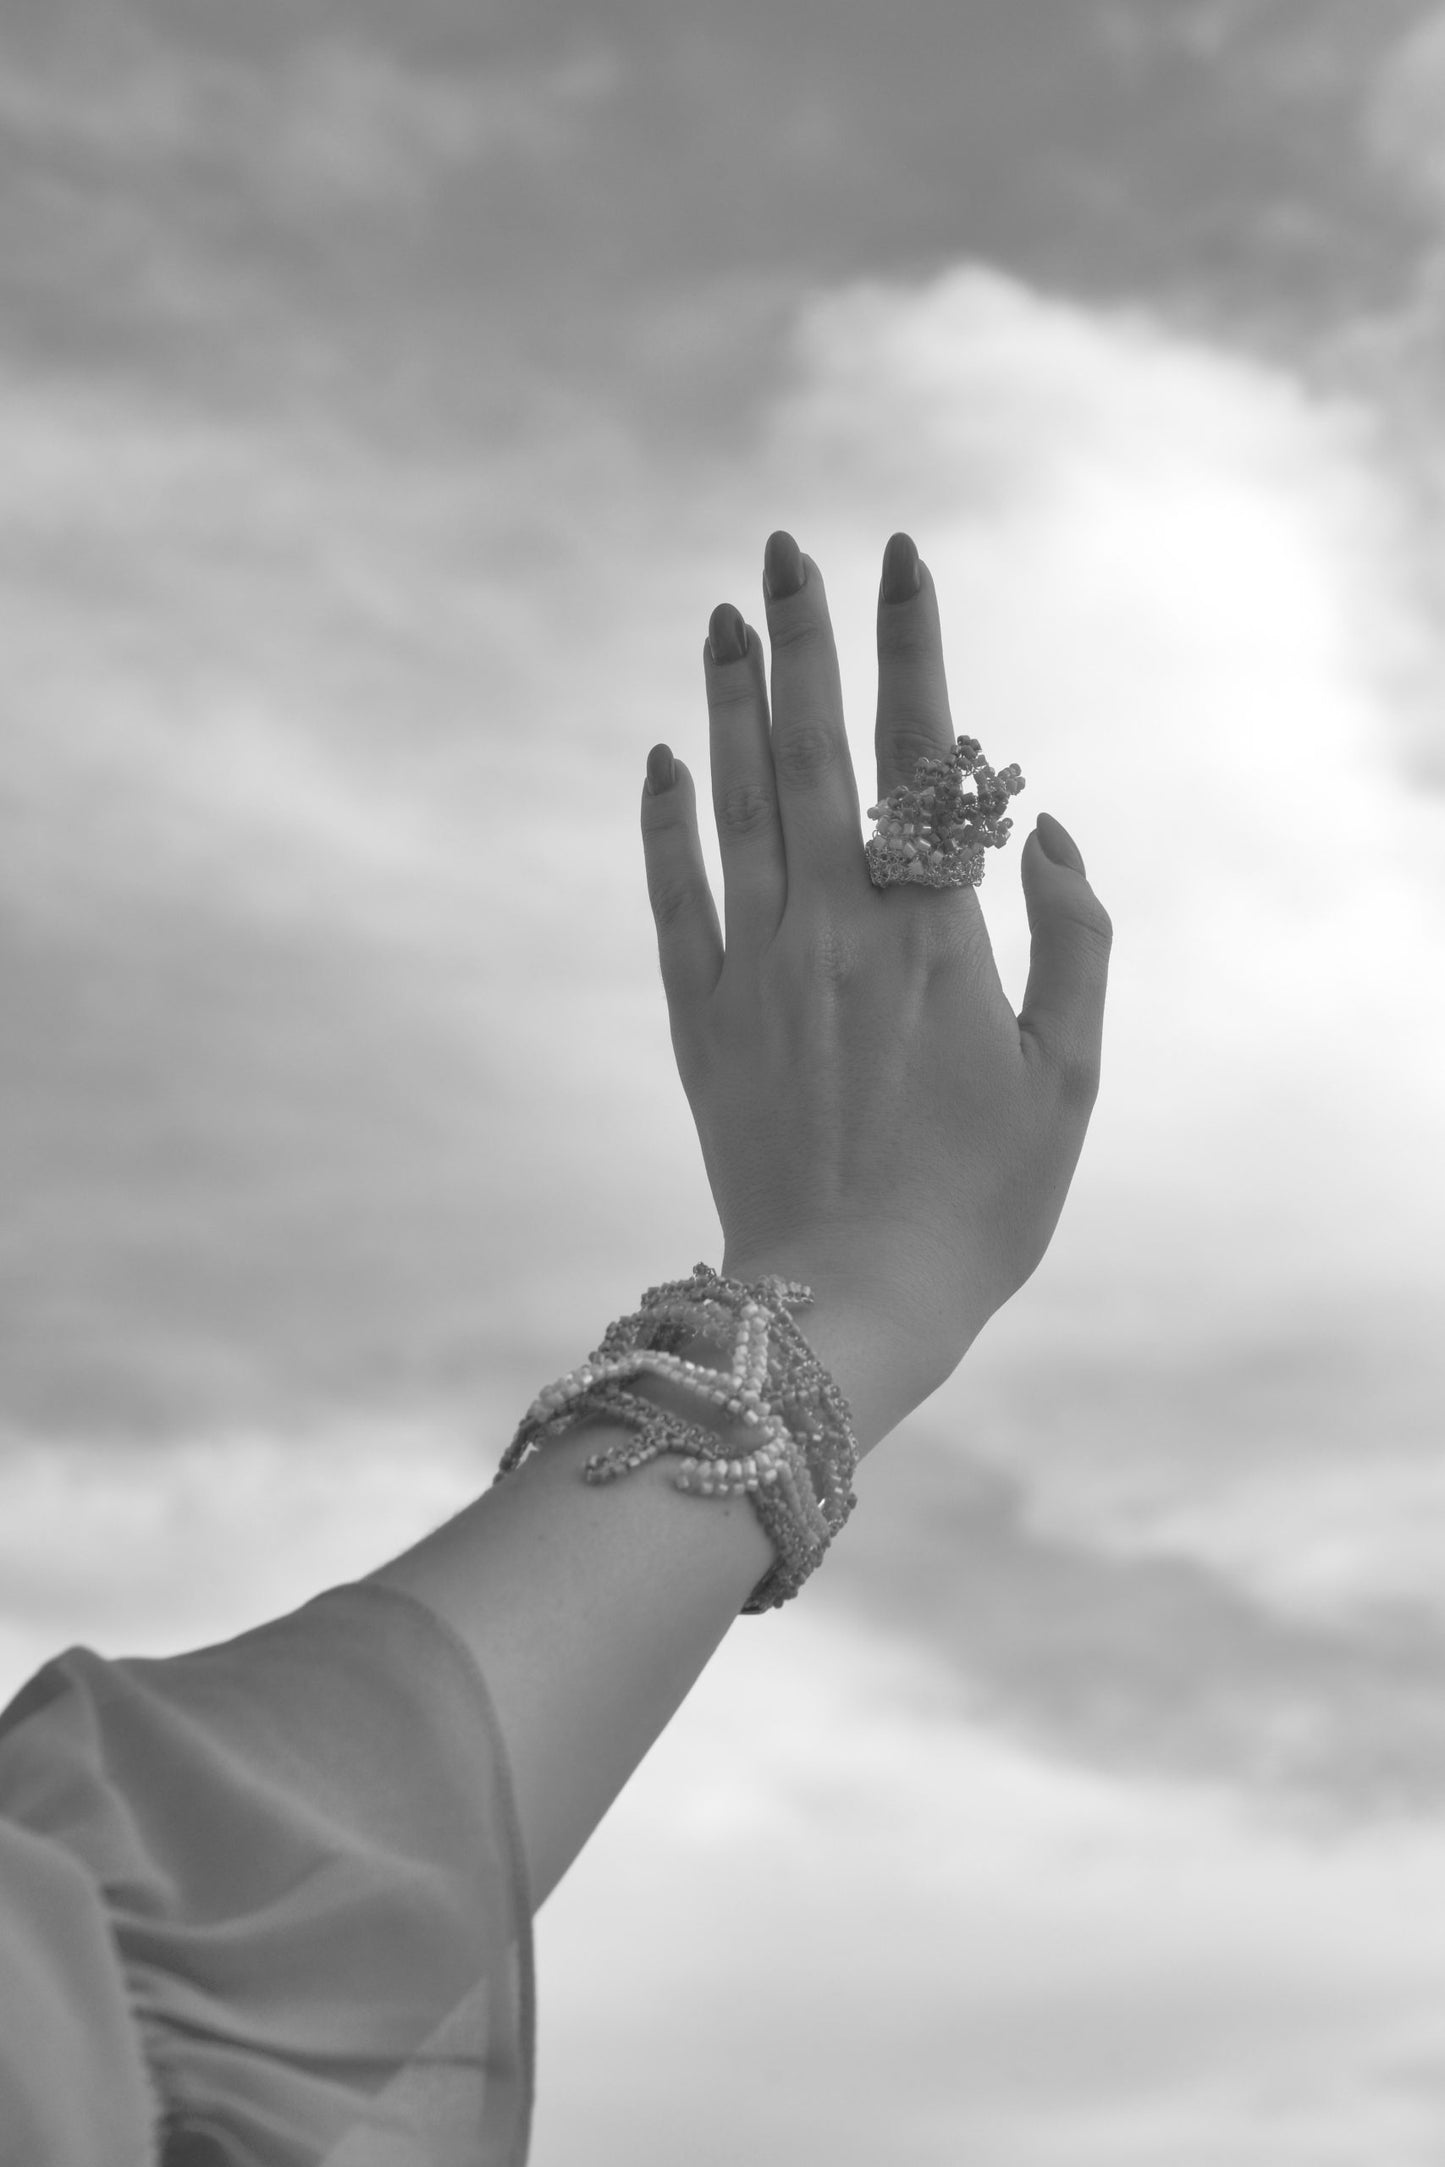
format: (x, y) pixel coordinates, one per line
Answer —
(873, 1116)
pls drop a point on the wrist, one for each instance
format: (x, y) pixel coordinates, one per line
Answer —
(869, 1361)
(847, 1347)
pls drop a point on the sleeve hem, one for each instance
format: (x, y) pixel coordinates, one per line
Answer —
(520, 1879)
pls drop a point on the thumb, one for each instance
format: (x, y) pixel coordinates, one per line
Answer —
(1062, 1019)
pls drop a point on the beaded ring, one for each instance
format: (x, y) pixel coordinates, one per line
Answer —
(799, 1474)
(932, 836)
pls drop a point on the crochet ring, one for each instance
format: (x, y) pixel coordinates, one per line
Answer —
(933, 836)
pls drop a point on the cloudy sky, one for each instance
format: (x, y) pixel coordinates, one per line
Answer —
(387, 395)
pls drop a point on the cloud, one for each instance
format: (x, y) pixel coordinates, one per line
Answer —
(1084, 1810)
(1204, 30)
(1176, 587)
(299, 1096)
(1391, 353)
(922, 1941)
(298, 1111)
(1402, 116)
(338, 118)
(1183, 588)
(245, 945)
(1125, 1657)
(102, 1548)
(1294, 1454)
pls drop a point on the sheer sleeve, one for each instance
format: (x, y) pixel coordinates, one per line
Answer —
(265, 1904)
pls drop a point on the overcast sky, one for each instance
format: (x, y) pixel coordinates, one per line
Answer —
(387, 395)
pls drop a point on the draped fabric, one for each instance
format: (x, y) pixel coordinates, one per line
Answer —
(265, 1904)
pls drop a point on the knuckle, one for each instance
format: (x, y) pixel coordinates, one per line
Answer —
(742, 809)
(671, 897)
(1097, 928)
(913, 739)
(905, 636)
(730, 689)
(835, 950)
(1078, 1080)
(1091, 928)
(805, 752)
(794, 631)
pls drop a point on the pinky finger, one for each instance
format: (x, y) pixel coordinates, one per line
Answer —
(689, 937)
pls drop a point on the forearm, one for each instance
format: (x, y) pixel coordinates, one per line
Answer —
(593, 1609)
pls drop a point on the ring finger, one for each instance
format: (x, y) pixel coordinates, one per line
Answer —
(914, 719)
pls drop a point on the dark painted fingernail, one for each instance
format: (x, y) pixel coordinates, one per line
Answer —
(1057, 844)
(783, 570)
(901, 578)
(661, 770)
(727, 635)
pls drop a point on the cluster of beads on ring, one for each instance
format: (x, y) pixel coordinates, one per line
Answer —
(799, 1469)
(932, 834)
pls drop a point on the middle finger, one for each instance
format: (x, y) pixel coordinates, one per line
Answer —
(817, 789)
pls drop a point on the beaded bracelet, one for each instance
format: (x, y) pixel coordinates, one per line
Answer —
(799, 1474)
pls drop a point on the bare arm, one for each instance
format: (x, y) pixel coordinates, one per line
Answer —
(593, 1610)
(875, 1121)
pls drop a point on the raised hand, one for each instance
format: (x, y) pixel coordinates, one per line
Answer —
(872, 1114)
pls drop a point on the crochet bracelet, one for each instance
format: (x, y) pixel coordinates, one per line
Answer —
(799, 1472)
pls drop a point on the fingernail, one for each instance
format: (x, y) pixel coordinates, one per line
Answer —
(901, 578)
(783, 571)
(727, 635)
(1057, 844)
(661, 770)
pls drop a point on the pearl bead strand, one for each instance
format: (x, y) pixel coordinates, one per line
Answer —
(799, 1468)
